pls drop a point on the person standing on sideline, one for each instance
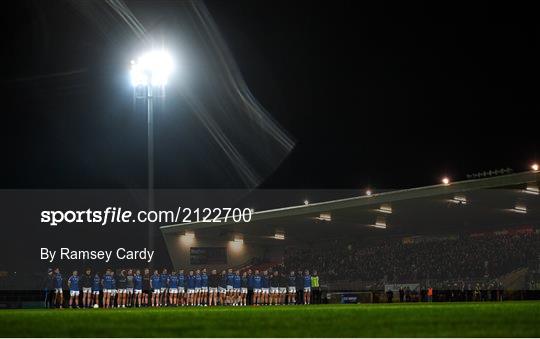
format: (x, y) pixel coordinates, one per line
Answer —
(48, 288)
(299, 288)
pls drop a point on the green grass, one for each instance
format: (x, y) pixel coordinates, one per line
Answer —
(507, 319)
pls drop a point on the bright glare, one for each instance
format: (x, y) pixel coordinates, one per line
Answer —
(152, 68)
(368, 192)
(534, 167)
(445, 181)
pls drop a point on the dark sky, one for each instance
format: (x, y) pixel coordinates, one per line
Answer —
(383, 95)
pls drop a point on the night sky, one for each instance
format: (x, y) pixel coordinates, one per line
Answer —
(384, 95)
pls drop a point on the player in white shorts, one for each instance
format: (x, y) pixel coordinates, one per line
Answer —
(86, 285)
(73, 285)
(230, 287)
(257, 281)
(204, 287)
(191, 289)
(222, 288)
(173, 289)
(265, 287)
(181, 288)
(307, 288)
(137, 288)
(213, 282)
(164, 287)
(291, 288)
(282, 288)
(129, 288)
(96, 286)
(274, 288)
(155, 285)
(244, 289)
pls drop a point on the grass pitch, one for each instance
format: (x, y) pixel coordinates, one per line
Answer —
(506, 319)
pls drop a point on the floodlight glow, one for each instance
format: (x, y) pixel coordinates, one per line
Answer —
(520, 209)
(306, 202)
(459, 199)
(445, 181)
(368, 192)
(325, 216)
(385, 208)
(279, 236)
(534, 167)
(152, 68)
(188, 238)
(532, 189)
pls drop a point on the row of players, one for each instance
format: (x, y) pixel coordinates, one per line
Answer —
(131, 288)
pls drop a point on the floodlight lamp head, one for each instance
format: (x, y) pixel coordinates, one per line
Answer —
(152, 69)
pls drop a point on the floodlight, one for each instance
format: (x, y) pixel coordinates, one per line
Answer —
(445, 181)
(152, 68)
(279, 236)
(306, 202)
(368, 192)
(534, 167)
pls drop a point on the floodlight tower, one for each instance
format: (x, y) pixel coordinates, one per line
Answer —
(149, 75)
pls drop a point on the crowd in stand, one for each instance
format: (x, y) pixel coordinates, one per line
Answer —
(460, 262)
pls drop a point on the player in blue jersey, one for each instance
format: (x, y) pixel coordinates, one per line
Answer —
(307, 288)
(113, 290)
(58, 288)
(191, 289)
(73, 285)
(155, 285)
(265, 287)
(237, 284)
(244, 289)
(257, 285)
(181, 288)
(107, 283)
(96, 288)
(164, 287)
(138, 288)
(204, 287)
(230, 286)
(173, 289)
(291, 289)
(198, 281)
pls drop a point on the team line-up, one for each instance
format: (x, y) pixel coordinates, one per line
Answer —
(130, 288)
